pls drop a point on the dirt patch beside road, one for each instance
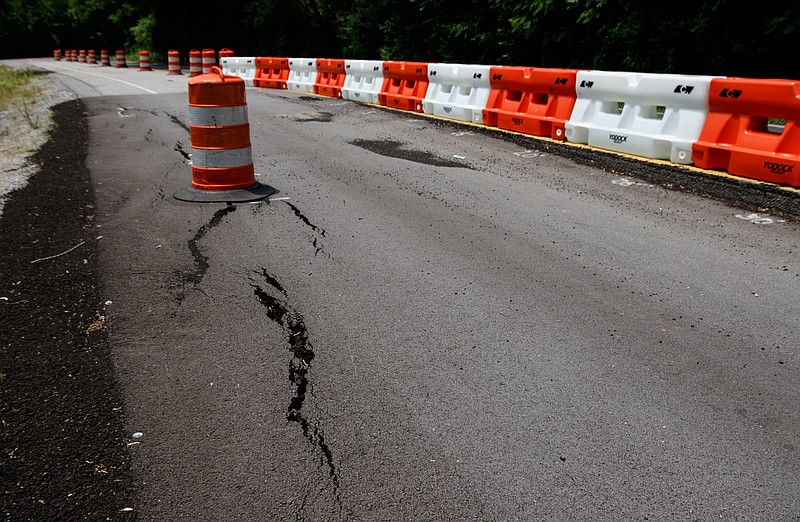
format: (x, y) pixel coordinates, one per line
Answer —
(64, 453)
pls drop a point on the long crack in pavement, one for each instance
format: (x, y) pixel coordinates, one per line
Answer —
(293, 324)
(200, 260)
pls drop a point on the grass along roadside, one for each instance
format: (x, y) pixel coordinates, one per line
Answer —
(19, 91)
(11, 81)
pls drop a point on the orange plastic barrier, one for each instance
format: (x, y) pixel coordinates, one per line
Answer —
(174, 62)
(57, 55)
(226, 53)
(330, 78)
(531, 100)
(82, 56)
(105, 60)
(144, 60)
(271, 73)
(738, 137)
(404, 85)
(222, 159)
(92, 56)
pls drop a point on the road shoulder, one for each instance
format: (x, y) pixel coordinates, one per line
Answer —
(63, 441)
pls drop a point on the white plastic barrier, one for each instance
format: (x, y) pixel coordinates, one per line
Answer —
(457, 91)
(655, 116)
(363, 80)
(302, 74)
(243, 67)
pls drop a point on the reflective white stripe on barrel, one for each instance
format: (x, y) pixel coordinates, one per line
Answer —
(218, 116)
(222, 158)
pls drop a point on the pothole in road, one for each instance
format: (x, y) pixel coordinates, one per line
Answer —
(303, 117)
(394, 149)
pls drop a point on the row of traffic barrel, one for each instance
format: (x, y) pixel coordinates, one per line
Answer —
(746, 127)
(200, 62)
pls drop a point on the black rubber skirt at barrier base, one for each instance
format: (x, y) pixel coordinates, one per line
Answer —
(255, 193)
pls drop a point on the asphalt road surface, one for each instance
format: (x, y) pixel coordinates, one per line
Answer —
(432, 322)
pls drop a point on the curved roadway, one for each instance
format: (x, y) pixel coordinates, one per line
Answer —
(430, 322)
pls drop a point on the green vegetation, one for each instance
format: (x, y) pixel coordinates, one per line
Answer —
(13, 83)
(719, 37)
(16, 90)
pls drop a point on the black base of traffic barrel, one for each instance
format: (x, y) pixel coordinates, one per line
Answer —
(254, 193)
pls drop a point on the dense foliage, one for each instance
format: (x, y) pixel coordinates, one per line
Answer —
(726, 37)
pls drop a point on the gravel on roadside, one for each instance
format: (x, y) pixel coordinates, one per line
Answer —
(25, 124)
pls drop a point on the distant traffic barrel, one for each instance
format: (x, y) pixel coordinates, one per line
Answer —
(209, 60)
(174, 62)
(144, 60)
(105, 61)
(120, 59)
(195, 63)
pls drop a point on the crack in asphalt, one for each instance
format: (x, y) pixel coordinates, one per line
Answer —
(305, 220)
(293, 324)
(200, 260)
(186, 156)
(174, 119)
(316, 243)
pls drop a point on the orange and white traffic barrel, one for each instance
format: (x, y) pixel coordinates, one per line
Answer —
(226, 53)
(209, 60)
(57, 55)
(91, 56)
(71, 56)
(174, 62)
(144, 60)
(195, 63)
(82, 56)
(222, 158)
(120, 59)
(105, 61)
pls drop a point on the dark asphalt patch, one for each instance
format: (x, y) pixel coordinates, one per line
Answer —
(63, 442)
(394, 149)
